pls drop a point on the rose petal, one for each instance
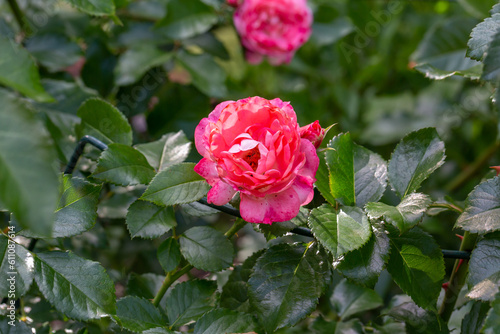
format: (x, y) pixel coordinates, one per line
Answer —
(220, 194)
(271, 208)
(304, 188)
(201, 139)
(312, 161)
(207, 169)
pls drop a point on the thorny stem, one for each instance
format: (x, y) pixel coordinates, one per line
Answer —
(457, 278)
(171, 277)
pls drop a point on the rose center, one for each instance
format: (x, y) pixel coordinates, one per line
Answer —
(252, 157)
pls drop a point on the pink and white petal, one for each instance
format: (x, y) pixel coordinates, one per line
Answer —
(220, 194)
(207, 169)
(303, 186)
(272, 208)
(215, 114)
(201, 139)
(312, 161)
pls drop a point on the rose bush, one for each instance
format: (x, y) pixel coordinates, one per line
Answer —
(254, 146)
(273, 28)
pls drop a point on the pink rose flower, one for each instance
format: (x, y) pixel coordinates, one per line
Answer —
(273, 28)
(313, 132)
(253, 146)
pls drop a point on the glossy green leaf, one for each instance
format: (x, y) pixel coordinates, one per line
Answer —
(491, 70)
(187, 18)
(416, 156)
(169, 254)
(484, 268)
(15, 262)
(444, 46)
(323, 180)
(94, 7)
(474, 319)
(206, 74)
(148, 220)
(20, 327)
(170, 149)
(364, 265)
(29, 184)
(77, 287)
(177, 184)
(482, 208)
(483, 34)
(159, 330)
(234, 294)
(136, 61)
(224, 321)
(350, 299)
(124, 166)
(197, 209)
(370, 175)
(206, 248)
(103, 121)
(435, 73)
(418, 320)
(340, 161)
(416, 264)
(69, 96)
(137, 314)
(54, 51)
(18, 71)
(405, 215)
(339, 232)
(286, 284)
(189, 300)
(492, 322)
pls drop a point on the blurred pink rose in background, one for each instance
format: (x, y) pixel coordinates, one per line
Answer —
(254, 146)
(272, 28)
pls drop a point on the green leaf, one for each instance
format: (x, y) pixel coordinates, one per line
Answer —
(484, 268)
(370, 175)
(482, 208)
(77, 287)
(148, 220)
(234, 294)
(435, 73)
(171, 149)
(418, 319)
(206, 74)
(224, 321)
(29, 184)
(208, 43)
(286, 284)
(340, 161)
(416, 264)
(492, 322)
(206, 248)
(416, 156)
(15, 261)
(159, 330)
(54, 51)
(137, 314)
(444, 46)
(177, 184)
(124, 166)
(103, 121)
(403, 216)
(18, 71)
(77, 209)
(169, 254)
(339, 232)
(364, 265)
(187, 18)
(189, 300)
(479, 8)
(350, 299)
(491, 70)
(323, 180)
(19, 327)
(145, 285)
(483, 34)
(474, 320)
(136, 61)
(329, 33)
(95, 7)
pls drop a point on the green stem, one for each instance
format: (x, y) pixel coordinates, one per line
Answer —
(446, 206)
(172, 277)
(471, 170)
(457, 278)
(19, 15)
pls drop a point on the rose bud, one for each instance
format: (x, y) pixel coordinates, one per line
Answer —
(313, 132)
(273, 28)
(254, 146)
